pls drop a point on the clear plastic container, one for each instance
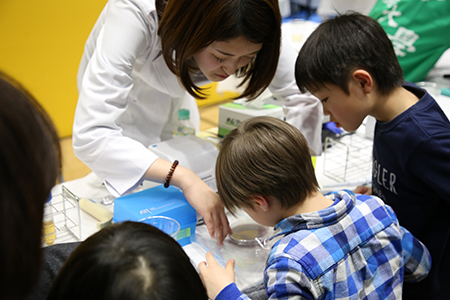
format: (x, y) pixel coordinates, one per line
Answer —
(248, 232)
(433, 88)
(48, 232)
(168, 225)
(184, 126)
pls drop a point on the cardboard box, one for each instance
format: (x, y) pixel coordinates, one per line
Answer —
(158, 201)
(231, 114)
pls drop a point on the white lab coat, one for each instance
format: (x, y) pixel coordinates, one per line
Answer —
(129, 99)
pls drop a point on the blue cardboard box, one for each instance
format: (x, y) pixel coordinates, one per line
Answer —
(158, 201)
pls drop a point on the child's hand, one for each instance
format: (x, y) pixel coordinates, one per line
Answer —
(214, 277)
(362, 189)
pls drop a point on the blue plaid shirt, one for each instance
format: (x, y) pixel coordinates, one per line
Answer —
(354, 249)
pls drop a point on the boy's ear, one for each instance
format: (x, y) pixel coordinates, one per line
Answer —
(363, 79)
(262, 202)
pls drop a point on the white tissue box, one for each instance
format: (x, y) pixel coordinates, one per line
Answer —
(231, 114)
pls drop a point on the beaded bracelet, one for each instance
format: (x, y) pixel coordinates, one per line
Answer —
(170, 174)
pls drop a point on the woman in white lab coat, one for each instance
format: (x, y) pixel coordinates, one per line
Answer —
(145, 59)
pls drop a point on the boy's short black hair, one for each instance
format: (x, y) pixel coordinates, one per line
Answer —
(343, 44)
(128, 260)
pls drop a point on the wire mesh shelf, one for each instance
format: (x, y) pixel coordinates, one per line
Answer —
(348, 159)
(66, 216)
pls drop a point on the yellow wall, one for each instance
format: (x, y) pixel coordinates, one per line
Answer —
(41, 43)
(213, 97)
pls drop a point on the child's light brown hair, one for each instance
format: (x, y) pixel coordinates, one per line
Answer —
(264, 156)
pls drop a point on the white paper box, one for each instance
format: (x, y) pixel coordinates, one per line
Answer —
(231, 114)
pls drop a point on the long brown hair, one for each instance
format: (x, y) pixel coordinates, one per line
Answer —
(30, 163)
(189, 26)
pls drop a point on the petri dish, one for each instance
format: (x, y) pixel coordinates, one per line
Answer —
(246, 232)
(168, 225)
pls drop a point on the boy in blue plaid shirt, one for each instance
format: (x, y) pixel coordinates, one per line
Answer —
(338, 246)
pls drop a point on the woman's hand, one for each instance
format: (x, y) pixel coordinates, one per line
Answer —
(202, 198)
(214, 277)
(208, 205)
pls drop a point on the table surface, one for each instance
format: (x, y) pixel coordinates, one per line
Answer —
(250, 261)
(249, 268)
